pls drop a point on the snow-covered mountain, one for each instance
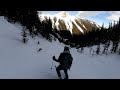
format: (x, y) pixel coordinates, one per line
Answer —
(64, 21)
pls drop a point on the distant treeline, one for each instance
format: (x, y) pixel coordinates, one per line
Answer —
(30, 20)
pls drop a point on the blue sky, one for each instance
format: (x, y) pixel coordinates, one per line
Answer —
(99, 17)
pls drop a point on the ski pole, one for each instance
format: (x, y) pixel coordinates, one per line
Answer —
(52, 65)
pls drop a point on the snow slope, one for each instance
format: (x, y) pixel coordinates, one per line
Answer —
(23, 61)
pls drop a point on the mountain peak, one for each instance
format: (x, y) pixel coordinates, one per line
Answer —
(63, 14)
(64, 21)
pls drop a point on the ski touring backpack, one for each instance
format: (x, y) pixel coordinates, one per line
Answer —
(67, 62)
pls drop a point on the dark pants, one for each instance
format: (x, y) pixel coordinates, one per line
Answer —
(60, 67)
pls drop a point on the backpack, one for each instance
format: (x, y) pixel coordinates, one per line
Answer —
(66, 60)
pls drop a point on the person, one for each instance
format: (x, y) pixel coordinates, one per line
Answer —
(65, 61)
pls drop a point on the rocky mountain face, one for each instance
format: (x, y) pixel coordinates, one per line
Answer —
(63, 21)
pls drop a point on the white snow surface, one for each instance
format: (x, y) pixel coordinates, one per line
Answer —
(22, 61)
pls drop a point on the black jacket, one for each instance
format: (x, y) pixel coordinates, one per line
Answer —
(65, 59)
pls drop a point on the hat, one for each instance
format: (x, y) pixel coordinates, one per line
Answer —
(66, 48)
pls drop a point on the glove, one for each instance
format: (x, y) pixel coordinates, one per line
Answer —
(53, 57)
